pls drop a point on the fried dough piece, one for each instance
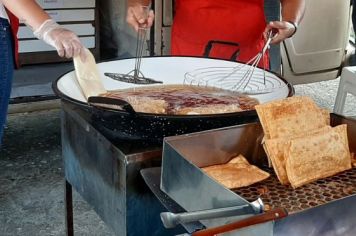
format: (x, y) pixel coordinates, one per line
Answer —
(210, 109)
(238, 172)
(353, 159)
(290, 117)
(317, 156)
(326, 115)
(275, 149)
(147, 104)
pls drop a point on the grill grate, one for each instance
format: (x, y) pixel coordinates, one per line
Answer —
(274, 194)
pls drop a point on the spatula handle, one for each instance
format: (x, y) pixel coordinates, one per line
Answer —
(253, 220)
(97, 101)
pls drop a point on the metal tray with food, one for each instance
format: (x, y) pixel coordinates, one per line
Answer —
(184, 180)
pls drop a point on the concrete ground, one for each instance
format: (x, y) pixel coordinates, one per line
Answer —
(31, 174)
(31, 180)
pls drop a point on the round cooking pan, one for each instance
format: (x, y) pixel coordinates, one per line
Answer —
(124, 124)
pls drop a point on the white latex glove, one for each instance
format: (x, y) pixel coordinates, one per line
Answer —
(65, 41)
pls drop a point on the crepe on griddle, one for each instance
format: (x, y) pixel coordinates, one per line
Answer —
(238, 172)
(275, 149)
(290, 117)
(317, 156)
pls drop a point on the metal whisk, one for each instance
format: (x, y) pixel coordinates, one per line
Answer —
(135, 76)
(244, 78)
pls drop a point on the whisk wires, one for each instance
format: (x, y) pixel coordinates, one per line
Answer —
(244, 78)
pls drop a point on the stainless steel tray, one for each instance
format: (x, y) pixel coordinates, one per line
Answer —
(184, 182)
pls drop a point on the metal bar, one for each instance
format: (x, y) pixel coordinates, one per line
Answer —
(69, 208)
(171, 220)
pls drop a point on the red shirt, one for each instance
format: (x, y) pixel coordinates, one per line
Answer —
(198, 21)
(14, 21)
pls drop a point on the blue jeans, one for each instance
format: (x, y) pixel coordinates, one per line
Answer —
(6, 70)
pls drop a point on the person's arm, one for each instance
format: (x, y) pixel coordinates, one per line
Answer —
(292, 14)
(65, 41)
(136, 15)
(28, 11)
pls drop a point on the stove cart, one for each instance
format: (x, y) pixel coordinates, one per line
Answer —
(106, 174)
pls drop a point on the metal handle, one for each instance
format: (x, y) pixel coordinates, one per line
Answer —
(257, 219)
(170, 220)
(95, 101)
(210, 44)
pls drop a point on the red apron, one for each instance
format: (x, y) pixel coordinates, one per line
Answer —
(198, 21)
(14, 21)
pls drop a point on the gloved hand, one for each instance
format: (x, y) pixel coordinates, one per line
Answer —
(65, 41)
(139, 16)
(282, 30)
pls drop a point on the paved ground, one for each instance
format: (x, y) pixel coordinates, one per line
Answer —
(31, 175)
(324, 94)
(31, 180)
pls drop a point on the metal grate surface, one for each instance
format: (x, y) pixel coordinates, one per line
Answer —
(274, 194)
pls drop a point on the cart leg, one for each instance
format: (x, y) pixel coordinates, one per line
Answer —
(69, 208)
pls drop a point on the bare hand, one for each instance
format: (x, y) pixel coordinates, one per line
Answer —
(282, 29)
(137, 16)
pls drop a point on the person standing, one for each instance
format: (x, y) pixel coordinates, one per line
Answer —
(65, 41)
(241, 21)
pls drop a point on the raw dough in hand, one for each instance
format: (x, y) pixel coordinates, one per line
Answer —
(88, 75)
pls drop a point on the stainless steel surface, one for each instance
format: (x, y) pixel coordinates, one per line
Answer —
(317, 193)
(317, 221)
(185, 183)
(152, 178)
(336, 218)
(106, 175)
(171, 220)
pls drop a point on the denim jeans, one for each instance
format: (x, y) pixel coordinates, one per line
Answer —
(6, 70)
